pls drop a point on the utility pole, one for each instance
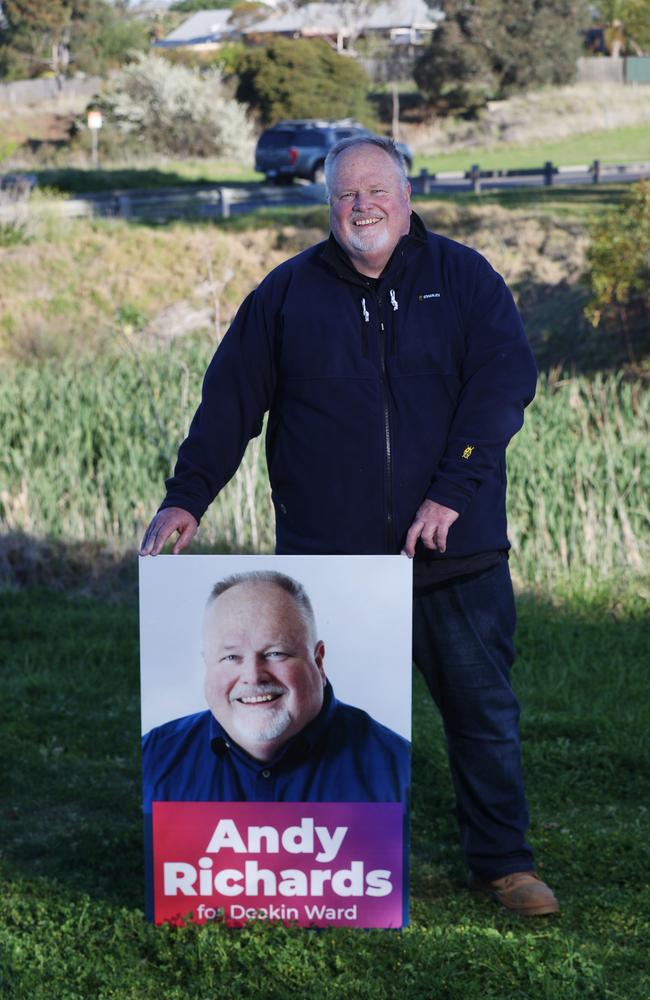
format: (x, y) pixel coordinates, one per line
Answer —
(395, 123)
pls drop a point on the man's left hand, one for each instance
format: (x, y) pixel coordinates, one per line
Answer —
(431, 523)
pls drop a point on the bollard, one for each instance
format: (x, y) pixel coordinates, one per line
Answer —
(548, 173)
(595, 169)
(475, 177)
(225, 203)
(123, 205)
(425, 181)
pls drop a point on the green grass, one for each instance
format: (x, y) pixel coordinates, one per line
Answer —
(74, 180)
(564, 203)
(624, 145)
(70, 831)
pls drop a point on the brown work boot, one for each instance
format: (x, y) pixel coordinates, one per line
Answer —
(523, 893)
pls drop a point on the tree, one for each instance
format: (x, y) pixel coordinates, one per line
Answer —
(619, 272)
(491, 48)
(627, 25)
(536, 42)
(38, 32)
(107, 36)
(301, 79)
(89, 35)
(455, 72)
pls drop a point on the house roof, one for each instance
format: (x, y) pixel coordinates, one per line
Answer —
(402, 14)
(325, 18)
(201, 28)
(312, 15)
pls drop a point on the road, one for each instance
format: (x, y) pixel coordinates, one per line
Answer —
(214, 201)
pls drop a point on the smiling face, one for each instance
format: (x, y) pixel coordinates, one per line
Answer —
(264, 675)
(370, 206)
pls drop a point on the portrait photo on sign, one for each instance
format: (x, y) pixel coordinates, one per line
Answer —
(273, 680)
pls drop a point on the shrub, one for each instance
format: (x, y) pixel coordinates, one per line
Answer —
(155, 106)
(619, 274)
(301, 79)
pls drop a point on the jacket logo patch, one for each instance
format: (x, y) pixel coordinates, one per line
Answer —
(428, 295)
(468, 451)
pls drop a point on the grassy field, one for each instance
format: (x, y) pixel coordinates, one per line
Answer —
(70, 828)
(97, 385)
(162, 173)
(625, 145)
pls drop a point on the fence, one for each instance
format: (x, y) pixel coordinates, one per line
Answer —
(215, 201)
(161, 205)
(611, 69)
(426, 183)
(637, 69)
(48, 89)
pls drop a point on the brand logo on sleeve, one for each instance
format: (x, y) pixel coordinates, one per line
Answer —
(428, 295)
(468, 451)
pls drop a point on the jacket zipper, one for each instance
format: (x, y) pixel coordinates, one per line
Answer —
(388, 450)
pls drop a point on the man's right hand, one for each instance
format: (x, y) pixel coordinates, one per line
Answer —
(164, 524)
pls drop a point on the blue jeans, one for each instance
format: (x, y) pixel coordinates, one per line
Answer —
(463, 645)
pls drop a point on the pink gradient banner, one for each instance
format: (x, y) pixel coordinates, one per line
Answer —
(334, 864)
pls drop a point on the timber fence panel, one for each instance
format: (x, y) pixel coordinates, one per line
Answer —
(48, 89)
(601, 69)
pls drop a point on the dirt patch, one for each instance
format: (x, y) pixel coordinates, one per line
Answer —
(43, 124)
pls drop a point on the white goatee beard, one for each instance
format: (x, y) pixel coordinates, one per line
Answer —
(367, 243)
(275, 723)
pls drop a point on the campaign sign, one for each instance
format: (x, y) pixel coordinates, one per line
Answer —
(276, 724)
(316, 864)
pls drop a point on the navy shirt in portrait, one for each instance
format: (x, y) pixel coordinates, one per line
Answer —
(343, 755)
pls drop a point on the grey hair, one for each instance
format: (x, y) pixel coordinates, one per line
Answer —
(281, 580)
(388, 146)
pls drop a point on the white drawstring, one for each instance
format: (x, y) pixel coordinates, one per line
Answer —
(366, 314)
(393, 300)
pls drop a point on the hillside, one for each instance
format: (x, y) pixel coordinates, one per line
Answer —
(75, 288)
(549, 114)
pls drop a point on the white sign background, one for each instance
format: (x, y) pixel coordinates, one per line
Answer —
(362, 606)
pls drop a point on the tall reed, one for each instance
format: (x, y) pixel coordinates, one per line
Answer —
(578, 498)
(86, 448)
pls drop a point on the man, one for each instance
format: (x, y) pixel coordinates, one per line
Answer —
(395, 370)
(274, 731)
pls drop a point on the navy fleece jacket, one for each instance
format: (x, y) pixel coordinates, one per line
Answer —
(378, 396)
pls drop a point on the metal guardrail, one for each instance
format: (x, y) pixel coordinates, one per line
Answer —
(213, 201)
(425, 182)
(217, 201)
